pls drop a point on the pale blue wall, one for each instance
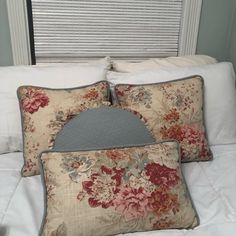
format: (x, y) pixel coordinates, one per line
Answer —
(215, 31)
(5, 44)
(232, 48)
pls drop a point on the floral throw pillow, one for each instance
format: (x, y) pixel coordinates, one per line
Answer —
(45, 111)
(106, 192)
(173, 110)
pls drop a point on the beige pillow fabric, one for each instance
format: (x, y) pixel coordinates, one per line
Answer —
(45, 111)
(107, 192)
(173, 110)
(162, 63)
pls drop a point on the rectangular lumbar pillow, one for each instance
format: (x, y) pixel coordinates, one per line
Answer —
(112, 191)
(45, 111)
(173, 110)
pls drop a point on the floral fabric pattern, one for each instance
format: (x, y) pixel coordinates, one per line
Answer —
(33, 99)
(143, 190)
(172, 110)
(46, 111)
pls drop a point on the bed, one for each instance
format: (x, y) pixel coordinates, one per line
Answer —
(210, 183)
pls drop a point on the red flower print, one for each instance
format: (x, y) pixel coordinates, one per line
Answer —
(122, 90)
(162, 202)
(102, 187)
(162, 175)
(172, 116)
(174, 132)
(193, 136)
(33, 99)
(181, 133)
(115, 155)
(106, 170)
(187, 135)
(92, 94)
(132, 203)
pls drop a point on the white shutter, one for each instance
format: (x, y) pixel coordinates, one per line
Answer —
(67, 30)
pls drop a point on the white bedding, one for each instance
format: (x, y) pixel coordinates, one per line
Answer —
(211, 184)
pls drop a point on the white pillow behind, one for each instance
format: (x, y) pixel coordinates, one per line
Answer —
(57, 76)
(104, 62)
(162, 63)
(220, 95)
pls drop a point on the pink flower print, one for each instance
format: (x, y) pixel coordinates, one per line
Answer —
(33, 99)
(132, 203)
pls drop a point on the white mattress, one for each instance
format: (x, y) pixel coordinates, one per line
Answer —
(211, 184)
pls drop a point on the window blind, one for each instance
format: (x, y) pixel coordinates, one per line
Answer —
(69, 30)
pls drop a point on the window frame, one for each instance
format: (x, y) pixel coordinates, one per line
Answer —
(22, 36)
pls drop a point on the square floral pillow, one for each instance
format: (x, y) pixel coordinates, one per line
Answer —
(113, 191)
(172, 110)
(45, 111)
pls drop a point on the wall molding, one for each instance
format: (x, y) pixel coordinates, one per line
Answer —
(19, 31)
(189, 27)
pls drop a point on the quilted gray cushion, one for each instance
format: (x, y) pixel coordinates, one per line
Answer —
(100, 128)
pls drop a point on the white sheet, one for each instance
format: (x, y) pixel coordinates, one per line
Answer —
(211, 184)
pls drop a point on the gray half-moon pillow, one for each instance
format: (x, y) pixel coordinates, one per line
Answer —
(101, 128)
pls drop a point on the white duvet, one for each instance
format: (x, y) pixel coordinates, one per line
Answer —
(212, 186)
